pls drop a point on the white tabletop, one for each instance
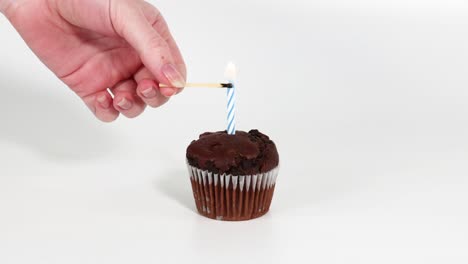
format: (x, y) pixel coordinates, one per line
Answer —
(366, 100)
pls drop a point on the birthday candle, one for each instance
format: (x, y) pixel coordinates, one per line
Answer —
(231, 99)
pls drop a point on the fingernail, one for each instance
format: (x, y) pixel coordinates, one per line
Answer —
(125, 104)
(174, 76)
(102, 100)
(149, 92)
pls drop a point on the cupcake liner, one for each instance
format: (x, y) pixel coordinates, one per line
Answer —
(231, 197)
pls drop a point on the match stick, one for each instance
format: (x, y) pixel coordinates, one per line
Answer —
(205, 85)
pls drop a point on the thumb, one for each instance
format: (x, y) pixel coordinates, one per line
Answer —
(131, 23)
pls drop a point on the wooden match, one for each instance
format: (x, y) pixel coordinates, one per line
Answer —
(203, 85)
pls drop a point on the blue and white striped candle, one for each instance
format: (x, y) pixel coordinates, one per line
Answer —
(231, 99)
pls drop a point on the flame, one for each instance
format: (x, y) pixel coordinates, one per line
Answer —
(231, 71)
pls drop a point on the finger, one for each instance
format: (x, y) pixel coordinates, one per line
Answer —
(100, 104)
(145, 74)
(126, 100)
(131, 23)
(149, 92)
(160, 25)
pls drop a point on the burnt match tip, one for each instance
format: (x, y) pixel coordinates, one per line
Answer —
(227, 85)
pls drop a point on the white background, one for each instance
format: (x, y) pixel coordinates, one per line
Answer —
(366, 100)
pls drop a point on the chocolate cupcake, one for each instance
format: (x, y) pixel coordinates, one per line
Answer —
(233, 176)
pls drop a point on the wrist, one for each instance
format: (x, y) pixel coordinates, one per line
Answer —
(6, 7)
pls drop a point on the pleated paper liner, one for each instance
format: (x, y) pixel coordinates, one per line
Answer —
(232, 198)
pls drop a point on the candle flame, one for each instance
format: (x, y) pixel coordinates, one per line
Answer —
(231, 71)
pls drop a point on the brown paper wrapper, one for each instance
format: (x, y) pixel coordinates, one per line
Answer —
(232, 198)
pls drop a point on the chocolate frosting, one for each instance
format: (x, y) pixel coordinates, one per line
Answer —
(240, 154)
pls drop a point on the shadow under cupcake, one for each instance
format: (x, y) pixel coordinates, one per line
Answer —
(233, 176)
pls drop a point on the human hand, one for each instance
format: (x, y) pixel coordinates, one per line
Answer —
(92, 45)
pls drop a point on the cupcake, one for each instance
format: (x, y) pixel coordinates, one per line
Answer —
(233, 176)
